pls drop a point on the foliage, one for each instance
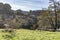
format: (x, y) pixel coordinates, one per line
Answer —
(43, 20)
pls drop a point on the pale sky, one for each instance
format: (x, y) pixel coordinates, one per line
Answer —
(27, 4)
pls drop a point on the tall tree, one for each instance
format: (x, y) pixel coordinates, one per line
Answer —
(7, 8)
(44, 20)
(53, 9)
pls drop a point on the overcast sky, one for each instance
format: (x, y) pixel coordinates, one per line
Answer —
(27, 4)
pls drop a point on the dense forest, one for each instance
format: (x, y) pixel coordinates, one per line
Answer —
(45, 19)
(17, 18)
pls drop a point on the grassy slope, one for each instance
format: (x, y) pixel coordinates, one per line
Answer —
(33, 35)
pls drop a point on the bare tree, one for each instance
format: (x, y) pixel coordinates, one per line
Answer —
(53, 10)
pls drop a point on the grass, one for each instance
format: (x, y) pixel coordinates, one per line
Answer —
(23, 34)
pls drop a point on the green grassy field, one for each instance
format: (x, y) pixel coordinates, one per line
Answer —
(23, 34)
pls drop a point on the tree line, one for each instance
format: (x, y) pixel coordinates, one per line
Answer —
(48, 19)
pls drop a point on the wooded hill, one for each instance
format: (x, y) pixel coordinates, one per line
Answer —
(45, 19)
